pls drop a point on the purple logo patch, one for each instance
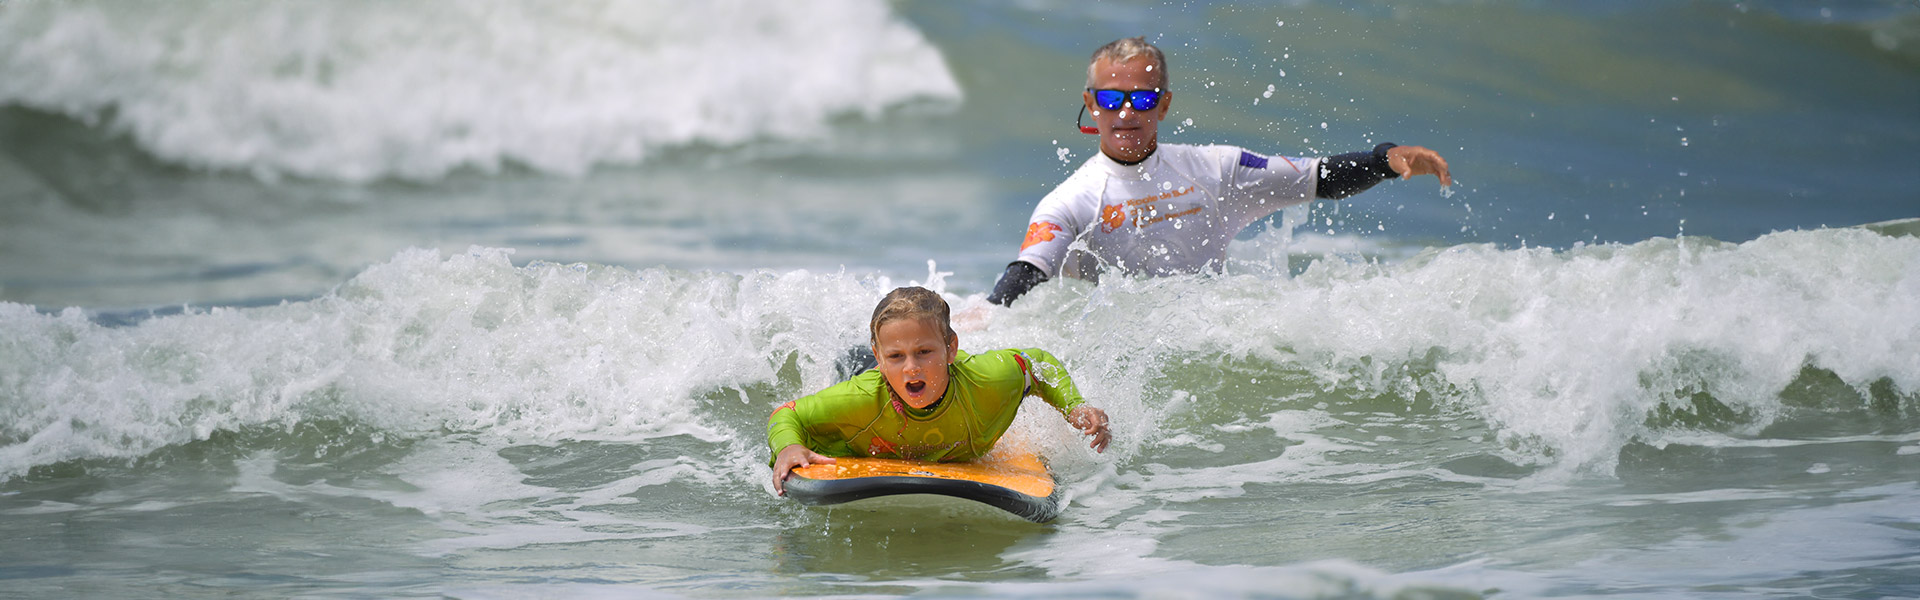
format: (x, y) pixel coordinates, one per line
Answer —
(1252, 161)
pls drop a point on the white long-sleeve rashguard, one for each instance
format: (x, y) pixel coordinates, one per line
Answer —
(1172, 213)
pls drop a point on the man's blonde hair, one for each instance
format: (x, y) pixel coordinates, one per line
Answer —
(1126, 49)
(912, 303)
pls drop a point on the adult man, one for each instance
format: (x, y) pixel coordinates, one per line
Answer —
(1146, 208)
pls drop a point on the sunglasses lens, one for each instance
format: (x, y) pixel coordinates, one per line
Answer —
(1144, 100)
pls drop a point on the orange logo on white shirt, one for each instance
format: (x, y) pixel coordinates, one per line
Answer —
(1039, 231)
(1111, 217)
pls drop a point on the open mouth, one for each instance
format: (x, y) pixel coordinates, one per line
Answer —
(915, 387)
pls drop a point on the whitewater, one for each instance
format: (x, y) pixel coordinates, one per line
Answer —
(493, 299)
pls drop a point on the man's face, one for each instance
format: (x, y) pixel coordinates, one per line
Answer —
(1126, 135)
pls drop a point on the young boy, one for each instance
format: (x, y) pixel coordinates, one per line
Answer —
(926, 400)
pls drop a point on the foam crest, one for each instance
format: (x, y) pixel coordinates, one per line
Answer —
(421, 346)
(361, 90)
(1565, 354)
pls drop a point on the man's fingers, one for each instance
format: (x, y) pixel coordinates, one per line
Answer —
(1439, 169)
(1416, 161)
(1434, 164)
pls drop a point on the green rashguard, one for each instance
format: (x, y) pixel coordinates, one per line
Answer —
(860, 417)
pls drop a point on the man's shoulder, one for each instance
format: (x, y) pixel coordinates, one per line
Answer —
(1084, 182)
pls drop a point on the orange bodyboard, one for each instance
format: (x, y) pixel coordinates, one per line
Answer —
(1010, 478)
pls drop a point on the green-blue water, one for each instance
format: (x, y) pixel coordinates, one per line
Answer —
(491, 299)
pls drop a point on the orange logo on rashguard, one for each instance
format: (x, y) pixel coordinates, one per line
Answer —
(878, 447)
(1111, 216)
(1039, 231)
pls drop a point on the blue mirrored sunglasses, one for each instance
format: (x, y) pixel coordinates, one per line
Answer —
(1140, 99)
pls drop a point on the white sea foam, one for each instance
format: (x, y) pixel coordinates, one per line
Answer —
(357, 90)
(419, 345)
(1563, 355)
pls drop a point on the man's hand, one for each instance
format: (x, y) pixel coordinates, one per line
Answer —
(1409, 161)
(1091, 421)
(794, 455)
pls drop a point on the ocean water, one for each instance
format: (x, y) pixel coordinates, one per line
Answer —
(490, 299)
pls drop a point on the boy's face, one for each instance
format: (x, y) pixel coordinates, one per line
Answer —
(914, 359)
(1126, 135)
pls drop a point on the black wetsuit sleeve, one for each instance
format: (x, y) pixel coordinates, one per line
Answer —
(1351, 173)
(1020, 277)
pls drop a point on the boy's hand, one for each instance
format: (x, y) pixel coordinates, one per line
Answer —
(1091, 421)
(1409, 161)
(794, 455)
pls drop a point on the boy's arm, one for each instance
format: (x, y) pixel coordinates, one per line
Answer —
(1050, 381)
(785, 429)
(823, 421)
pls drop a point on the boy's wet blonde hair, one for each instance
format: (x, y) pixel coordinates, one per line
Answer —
(1126, 49)
(911, 303)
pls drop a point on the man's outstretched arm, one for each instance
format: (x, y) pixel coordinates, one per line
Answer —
(1019, 277)
(1347, 174)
